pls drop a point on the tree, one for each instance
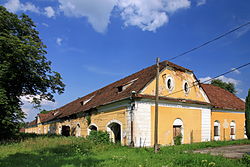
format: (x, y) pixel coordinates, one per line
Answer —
(224, 85)
(24, 70)
(247, 114)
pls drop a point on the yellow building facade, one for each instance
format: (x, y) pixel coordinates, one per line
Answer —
(126, 110)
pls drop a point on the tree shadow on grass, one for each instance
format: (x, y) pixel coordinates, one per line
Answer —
(60, 156)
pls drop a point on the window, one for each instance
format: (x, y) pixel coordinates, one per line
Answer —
(177, 130)
(232, 130)
(86, 101)
(216, 130)
(186, 87)
(169, 83)
(125, 85)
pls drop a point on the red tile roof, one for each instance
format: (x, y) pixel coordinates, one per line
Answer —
(109, 93)
(223, 99)
(32, 123)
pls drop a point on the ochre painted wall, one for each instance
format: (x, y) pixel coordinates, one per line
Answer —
(101, 120)
(191, 119)
(179, 79)
(31, 130)
(225, 118)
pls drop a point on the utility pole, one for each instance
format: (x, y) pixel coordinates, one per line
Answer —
(156, 145)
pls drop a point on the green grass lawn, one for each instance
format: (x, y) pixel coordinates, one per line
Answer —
(77, 152)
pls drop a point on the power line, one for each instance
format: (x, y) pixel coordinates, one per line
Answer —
(232, 70)
(210, 41)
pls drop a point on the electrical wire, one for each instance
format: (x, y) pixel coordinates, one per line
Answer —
(210, 41)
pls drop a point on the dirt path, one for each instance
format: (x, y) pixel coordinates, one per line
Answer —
(234, 151)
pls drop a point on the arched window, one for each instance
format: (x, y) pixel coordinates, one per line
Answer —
(178, 129)
(92, 127)
(169, 83)
(186, 88)
(115, 131)
(232, 130)
(216, 130)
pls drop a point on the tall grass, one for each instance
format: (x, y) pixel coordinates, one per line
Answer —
(46, 151)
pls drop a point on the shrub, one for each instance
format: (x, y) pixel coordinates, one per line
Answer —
(177, 140)
(246, 159)
(98, 136)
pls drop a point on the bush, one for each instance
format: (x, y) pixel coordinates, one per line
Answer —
(246, 159)
(98, 136)
(24, 136)
(177, 140)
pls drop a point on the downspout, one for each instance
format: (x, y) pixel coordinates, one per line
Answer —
(132, 107)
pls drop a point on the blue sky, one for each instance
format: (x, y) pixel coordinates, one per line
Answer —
(95, 42)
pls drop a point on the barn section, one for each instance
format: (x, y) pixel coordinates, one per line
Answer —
(125, 109)
(227, 115)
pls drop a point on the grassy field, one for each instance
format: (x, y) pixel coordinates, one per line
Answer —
(78, 152)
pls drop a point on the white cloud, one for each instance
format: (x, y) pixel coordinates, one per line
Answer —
(59, 41)
(204, 80)
(149, 14)
(201, 2)
(16, 5)
(231, 80)
(235, 71)
(49, 11)
(223, 78)
(28, 99)
(242, 31)
(96, 11)
(145, 14)
(29, 109)
(44, 24)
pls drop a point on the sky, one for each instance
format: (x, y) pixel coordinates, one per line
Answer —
(92, 43)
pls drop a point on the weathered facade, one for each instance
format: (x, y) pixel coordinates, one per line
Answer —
(125, 109)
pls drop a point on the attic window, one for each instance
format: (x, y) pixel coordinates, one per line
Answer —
(86, 101)
(120, 88)
(55, 112)
(126, 85)
(186, 87)
(169, 83)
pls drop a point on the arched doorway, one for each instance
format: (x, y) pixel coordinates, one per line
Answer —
(114, 129)
(92, 127)
(78, 130)
(178, 129)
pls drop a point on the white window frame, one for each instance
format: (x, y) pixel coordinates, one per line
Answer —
(233, 124)
(169, 77)
(217, 123)
(186, 82)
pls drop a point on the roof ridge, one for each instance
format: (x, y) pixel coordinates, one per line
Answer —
(145, 76)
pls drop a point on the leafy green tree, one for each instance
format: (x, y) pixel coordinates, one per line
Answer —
(247, 115)
(45, 111)
(227, 86)
(24, 70)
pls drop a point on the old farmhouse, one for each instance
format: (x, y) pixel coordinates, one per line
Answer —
(125, 109)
